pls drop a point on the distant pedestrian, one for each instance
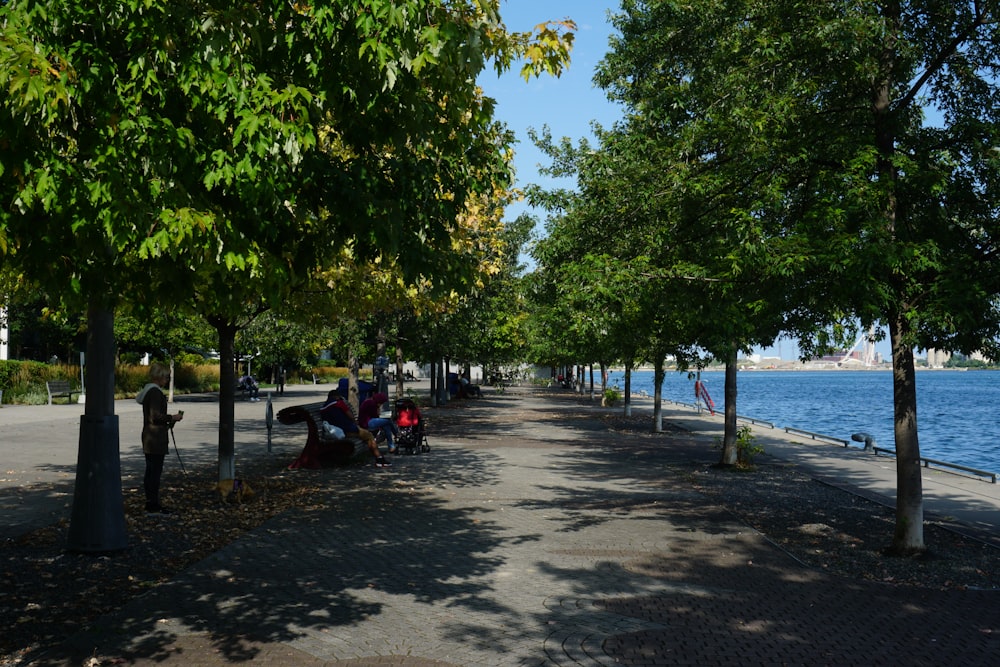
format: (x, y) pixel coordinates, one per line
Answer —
(248, 385)
(281, 381)
(156, 425)
(466, 389)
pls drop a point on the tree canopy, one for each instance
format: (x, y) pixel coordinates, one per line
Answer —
(209, 156)
(817, 169)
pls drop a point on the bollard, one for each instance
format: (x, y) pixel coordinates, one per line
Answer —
(269, 420)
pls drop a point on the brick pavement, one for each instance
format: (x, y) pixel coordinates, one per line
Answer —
(531, 540)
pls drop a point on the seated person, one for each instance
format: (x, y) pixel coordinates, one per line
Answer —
(249, 386)
(339, 413)
(369, 417)
(466, 389)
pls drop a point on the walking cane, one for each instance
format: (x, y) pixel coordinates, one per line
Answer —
(177, 451)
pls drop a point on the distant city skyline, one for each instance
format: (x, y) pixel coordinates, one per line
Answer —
(788, 350)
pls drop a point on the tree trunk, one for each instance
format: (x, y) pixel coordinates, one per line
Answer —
(444, 391)
(658, 374)
(97, 520)
(353, 366)
(434, 383)
(400, 389)
(381, 364)
(730, 455)
(628, 389)
(909, 534)
(170, 393)
(227, 399)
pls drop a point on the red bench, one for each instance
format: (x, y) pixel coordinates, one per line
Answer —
(321, 451)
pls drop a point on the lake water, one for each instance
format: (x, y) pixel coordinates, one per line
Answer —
(956, 410)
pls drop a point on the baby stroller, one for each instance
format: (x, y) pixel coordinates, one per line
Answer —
(411, 438)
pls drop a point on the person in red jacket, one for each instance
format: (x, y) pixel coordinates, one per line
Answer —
(370, 417)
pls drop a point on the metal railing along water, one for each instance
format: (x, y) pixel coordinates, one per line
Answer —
(817, 436)
(931, 464)
(755, 421)
(945, 466)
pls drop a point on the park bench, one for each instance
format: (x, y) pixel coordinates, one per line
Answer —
(320, 451)
(60, 389)
(245, 389)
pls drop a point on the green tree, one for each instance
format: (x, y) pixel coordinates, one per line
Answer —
(278, 341)
(487, 325)
(581, 290)
(655, 270)
(162, 336)
(38, 332)
(206, 155)
(870, 214)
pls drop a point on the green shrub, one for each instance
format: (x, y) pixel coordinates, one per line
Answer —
(193, 359)
(24, 381)
(611, 397)
(197, 378)
(188, 378)
(129, 379)
(746, 450)
(330, 374)
(129, 358)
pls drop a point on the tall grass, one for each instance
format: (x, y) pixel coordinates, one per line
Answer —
(23, 382)
(188, 379)
(330, 373)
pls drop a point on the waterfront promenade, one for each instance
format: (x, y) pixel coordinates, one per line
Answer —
(529, 536)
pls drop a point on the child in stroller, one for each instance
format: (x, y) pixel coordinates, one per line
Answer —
(412, 437)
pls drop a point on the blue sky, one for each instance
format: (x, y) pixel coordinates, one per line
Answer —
(568, 105)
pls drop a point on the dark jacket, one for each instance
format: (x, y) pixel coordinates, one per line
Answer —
(370, 409)
(156, 422)
(339, 413)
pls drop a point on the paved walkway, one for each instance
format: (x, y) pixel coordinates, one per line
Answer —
(526, 541)
(968, 503)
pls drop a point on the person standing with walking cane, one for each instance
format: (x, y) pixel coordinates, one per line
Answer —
(156, 426)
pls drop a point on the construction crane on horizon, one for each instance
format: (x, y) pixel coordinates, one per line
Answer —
(868, 357)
